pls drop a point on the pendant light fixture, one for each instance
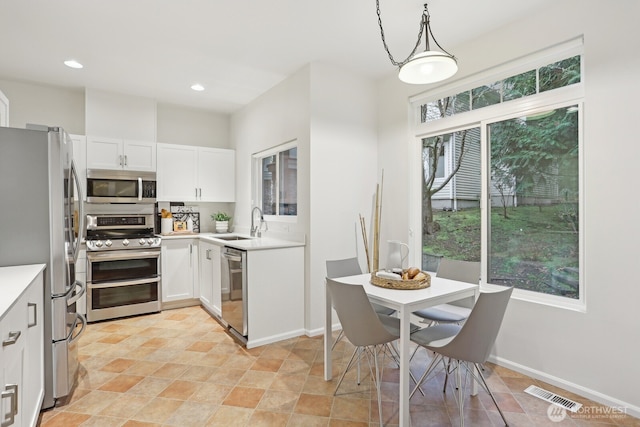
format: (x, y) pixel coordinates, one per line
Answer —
(430, 66)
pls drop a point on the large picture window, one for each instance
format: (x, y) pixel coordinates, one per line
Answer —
(277, 171)
(533, 224)
(504, 189)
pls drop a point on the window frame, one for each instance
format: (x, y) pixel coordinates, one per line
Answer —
(529, 105)
(256, 189)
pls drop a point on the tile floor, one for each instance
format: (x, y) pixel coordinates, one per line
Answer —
(179, 368)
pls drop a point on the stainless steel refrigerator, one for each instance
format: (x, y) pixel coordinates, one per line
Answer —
(41, 199)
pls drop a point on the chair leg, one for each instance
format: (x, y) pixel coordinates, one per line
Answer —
(378, 379)
(460, 391)
(359, 349)
(340, 335)
(486, 386)
(355, 351)
(395, 355)
(434, 362)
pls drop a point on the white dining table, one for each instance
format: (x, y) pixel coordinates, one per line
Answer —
(404, 302)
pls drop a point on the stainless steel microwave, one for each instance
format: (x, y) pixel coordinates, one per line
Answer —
(113, 186)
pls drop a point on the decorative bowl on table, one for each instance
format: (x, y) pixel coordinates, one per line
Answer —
(408, 280)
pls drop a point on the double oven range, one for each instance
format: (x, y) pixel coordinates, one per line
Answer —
(123, 266)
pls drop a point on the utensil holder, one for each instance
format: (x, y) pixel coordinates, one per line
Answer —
(166, 225)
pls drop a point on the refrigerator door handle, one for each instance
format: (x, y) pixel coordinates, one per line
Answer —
(77, 295)
(73, 337)
(81, 218)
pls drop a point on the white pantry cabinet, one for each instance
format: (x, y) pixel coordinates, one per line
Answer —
(22, 357)
(195, 174)
(210, 279)
(180, 275)
(120, 154)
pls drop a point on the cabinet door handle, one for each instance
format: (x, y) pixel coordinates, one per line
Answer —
(35, 314)
(120, 160)
(125, 160)
(13, 338)
(196, 192)
(208, 253)
(11, 391)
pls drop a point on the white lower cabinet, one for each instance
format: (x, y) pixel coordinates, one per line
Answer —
(210, 294)
(275, 295)
(22, 358)
(179, 270)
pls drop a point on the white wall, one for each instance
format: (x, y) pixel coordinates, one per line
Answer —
(190, 126)
(343, 175)
(278, 116)
(592, 353)
(43, 104)
(331, 114)
(119, 115)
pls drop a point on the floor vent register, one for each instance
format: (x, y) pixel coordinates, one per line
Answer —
(556, 399)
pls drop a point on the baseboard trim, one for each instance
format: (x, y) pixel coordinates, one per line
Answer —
(275, 338)
(596, 396)
(180, 304)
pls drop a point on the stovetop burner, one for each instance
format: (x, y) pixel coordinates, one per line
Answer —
(113, 232)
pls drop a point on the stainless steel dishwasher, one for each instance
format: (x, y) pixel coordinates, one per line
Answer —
(234, 291)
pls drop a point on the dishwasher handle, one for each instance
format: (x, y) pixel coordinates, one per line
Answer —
(232, 257)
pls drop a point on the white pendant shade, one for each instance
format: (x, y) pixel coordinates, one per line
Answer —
(428, 67)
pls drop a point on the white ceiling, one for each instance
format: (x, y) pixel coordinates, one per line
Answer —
(236, 49)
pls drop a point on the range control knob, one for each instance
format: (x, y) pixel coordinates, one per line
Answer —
(142, 242)
(125, 242)
(99, 243)
(108, 243)
(151, 241)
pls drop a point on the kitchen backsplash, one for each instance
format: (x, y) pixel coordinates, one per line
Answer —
(183, 213)
(205, 210)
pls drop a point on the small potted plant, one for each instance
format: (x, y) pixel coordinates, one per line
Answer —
(222, 221)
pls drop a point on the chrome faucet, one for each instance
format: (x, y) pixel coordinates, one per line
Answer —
(256, 230)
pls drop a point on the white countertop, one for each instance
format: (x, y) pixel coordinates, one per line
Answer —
(249, 244)
(13, 282)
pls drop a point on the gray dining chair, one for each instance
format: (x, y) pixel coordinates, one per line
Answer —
(462, 271)
(351, 267)
(363, 328)
(469, 344)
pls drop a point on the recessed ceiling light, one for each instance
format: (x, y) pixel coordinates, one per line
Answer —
(197, 87)
(72, 63)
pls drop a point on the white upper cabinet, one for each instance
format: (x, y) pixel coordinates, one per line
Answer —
(119, 154)
(177, 176)
(195, 174)
(216, 174)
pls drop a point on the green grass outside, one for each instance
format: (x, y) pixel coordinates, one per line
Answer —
(535, 248)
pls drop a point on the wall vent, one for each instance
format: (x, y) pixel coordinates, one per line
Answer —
(550, 397)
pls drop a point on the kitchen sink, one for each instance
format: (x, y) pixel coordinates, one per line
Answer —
(232, 237)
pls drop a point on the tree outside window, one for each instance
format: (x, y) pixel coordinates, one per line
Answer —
(533, 234)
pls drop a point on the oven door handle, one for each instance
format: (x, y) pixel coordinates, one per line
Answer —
(118, 255)
(124, 283)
